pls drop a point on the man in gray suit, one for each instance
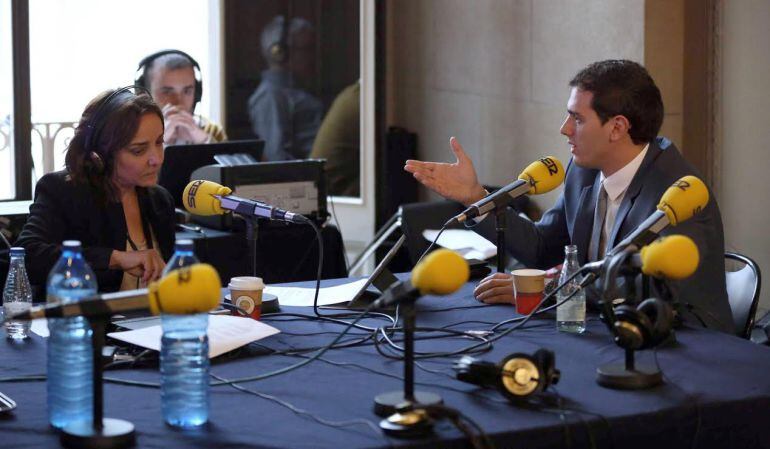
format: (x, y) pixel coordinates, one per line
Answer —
(614, 113)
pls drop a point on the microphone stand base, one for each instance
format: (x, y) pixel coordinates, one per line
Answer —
(386, 404)
(618, 377)
(408, 424)
(114, 434)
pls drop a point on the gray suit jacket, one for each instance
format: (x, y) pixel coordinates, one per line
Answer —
(570, 221)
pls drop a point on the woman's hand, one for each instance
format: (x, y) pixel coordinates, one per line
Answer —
(495, 289)
(146, 264)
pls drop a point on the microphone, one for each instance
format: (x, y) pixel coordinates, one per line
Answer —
(441, 272)
(187, 290)
(685, 198)
(539, 177)
(209, 198)
(670, 257)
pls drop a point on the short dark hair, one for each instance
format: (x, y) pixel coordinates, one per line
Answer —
(170, 61)
(622, 87)
(117, 126)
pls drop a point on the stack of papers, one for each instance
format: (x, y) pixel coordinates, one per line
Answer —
(225, 334)
(303, 296)
(467, 243)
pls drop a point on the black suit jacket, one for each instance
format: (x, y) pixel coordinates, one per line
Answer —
(65, 210)
(570, 221)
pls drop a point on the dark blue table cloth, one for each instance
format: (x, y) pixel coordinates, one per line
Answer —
(716, 392)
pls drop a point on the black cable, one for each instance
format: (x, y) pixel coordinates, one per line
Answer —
(339, 227)
(5, 239)
(421, 355)
(318, 314)
(433, 243)
(479, 440)
(298, 411)
(318, 354)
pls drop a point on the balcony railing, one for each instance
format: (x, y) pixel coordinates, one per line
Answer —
(49, 141)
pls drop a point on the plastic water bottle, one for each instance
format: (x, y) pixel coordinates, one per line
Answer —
(184, 357)
(571, 315)
(17, 295)
(70, 356)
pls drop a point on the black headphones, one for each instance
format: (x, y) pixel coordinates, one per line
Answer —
(146, 63)
(518, 376)
(96, 120)
(643, 326)
(278, 51)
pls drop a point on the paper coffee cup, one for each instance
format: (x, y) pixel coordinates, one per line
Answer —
(528, 285)
(246, 293)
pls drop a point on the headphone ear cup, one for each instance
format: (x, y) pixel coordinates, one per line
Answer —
(96, 162)
(520, 376)
(633, 329)
(661, 318)
(547, 362)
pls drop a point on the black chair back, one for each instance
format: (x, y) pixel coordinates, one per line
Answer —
(743, 287)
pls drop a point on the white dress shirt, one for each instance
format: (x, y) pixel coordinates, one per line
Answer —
(616, 185)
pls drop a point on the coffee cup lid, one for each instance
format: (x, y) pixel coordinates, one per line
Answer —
(246, 283)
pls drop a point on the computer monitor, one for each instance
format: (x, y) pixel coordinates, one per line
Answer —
(181, 160)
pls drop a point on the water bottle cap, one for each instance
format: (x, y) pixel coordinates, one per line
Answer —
(17, 251)
(71, 244)
(184, 244)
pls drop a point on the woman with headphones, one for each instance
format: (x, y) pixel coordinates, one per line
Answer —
(107, 197)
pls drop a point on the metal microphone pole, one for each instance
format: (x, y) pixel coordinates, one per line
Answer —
(101, 432)
(386, 404)
(500, 228)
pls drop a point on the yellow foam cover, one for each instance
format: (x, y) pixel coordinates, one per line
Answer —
(670, 257)
(198, 197)
(441, 272)
(543, 175)
(685, 198)
(187, 290)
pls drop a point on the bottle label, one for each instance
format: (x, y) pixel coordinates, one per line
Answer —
(12, 308)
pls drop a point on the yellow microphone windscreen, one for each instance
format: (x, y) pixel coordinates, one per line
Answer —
(441, 272)
(685, 198)
(670, 257)
(543, 175)
(187, 290)
(198, 197)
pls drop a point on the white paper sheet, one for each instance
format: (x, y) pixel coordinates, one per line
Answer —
(40, 327)
(225, 334)
(469, 244)
(303, 297)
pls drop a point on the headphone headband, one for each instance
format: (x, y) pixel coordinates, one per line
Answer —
(95, 121)
(141, 71)
(279, 50)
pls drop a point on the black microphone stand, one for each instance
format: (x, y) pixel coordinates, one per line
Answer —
(500, 228)
(101, 433)
(386, 404)
(252, 234)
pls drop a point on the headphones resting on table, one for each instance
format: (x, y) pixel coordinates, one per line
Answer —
(518, 376)
(644, 326)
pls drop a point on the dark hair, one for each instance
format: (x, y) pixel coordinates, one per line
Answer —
(622, 87)
(170, 61)
(107, 125)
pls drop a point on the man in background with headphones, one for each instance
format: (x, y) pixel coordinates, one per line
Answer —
(170, 77)
(283, 114)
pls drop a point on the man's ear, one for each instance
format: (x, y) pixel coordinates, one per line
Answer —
(620, 128)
